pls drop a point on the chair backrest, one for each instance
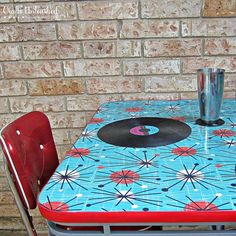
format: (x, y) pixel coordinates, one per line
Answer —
(31, 155)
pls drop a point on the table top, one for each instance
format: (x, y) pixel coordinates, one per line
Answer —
(110, 171)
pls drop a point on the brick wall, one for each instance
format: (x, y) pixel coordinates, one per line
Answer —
(66, 58)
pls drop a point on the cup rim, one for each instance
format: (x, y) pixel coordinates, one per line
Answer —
(211, 69)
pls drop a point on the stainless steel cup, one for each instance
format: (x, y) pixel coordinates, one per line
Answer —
(210, 94)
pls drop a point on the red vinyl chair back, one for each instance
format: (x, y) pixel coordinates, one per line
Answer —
(30, 153)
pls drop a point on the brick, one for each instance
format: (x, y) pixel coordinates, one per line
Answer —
(189, 95)
(6, 119)
(170, 9)
(3, 104)
(75, 134)
(172, 47)
(41, 224)
(54, 50)
(145, 96)
(89, 115)
(92, 67)
(27, 32)
(128, 48)
(82, 102)
(104, 98)
(170, 84)
(1, 72)
(92, 102)
(32, 69)
(208, 27)
(1, 165)
(230, 94)
(108, 10)
(9, 223)
(192, 64)
(9, 52)
(62, 150)
(230, 82)
(56, 87)
(102, 49)
(45, 104)
(4, 185)
(149, 28)
(6, 198)
(61, 136)
(99, 49)
(67, 119)
(36, 213)
(46, 12)
(9, 210)
(151, 66)
(220, 46)
(113, 85)
(87, 30)
(7, 13)
(12, 87)
(219, 8)
(12, 211)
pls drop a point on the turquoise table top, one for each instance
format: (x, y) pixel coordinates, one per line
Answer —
(147, 156)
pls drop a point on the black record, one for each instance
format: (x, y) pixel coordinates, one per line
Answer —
(144, 132)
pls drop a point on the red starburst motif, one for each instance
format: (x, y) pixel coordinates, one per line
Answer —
(78, 152)
(218, 165)
(224, 133)
(179, 118)
(184, 151)
(100, 167)
(124, 177)
(56, 206)
(200, 206)
(96, 120)
(133, 109)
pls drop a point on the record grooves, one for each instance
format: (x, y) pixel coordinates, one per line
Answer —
(144, 132)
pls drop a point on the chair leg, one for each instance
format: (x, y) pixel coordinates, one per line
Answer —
(23, 212)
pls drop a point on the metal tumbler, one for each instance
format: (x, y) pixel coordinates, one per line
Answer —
(210, 83)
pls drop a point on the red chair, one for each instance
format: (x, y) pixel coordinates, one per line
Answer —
(31, 159)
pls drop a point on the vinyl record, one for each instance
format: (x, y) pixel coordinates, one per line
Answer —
(144, 132)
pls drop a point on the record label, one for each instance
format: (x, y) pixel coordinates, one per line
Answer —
(144, 130)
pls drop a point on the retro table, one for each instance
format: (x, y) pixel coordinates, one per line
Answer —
(147, 162)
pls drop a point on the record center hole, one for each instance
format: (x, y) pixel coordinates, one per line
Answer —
(144, 130)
